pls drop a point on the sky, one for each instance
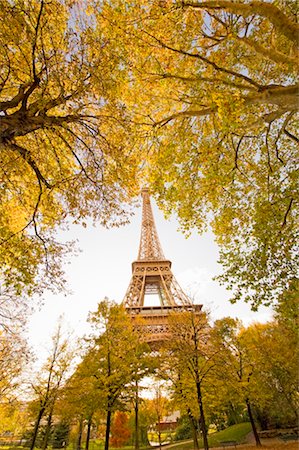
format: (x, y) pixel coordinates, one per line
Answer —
(102, 269)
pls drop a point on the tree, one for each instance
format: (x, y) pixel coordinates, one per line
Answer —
(58, 159)
(146, 419)
(14, 418)
(13, 312)
(286, 310)
(274, 352)
(120, 430)
(145, 364)
(60, 435)
(197, 97)
(235, 365)
(191, 359)
(81, 404)
(48, 384)
(212, 84)
(14, 354)
(160, 405)
(112, 359)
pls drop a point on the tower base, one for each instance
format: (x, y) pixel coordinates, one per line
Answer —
(152, 321)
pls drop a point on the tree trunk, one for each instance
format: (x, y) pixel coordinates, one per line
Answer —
(48, 429)
(79, 440)
(136, 408)
(88, 432)
(159, 436)
(108, 425)
(36, 427)
(202, 420)
(194, 429)
(256, 436)
(195, 440)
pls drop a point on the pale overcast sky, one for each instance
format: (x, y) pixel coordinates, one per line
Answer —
(103, 269)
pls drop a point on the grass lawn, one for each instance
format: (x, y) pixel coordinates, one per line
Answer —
(236, 432)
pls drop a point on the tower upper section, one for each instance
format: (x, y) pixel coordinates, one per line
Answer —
(149, 248)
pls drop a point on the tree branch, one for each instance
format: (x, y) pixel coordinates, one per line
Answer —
(205, 79)
(269, 53)
(35, 39)
(286, 214)
(279, 20)
(282, 130)
(26, 155)
(277, 95)
(4, 106)
(207, 61)
(291, 136)
(188, 113)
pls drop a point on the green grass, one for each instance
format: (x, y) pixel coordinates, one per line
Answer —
(100, 446)
(236, 432)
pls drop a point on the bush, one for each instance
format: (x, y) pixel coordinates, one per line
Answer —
(184, 430)
(60, 435)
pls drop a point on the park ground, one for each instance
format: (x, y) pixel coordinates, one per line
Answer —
(240, 433)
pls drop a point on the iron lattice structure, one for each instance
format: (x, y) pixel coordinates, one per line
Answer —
(152, 274)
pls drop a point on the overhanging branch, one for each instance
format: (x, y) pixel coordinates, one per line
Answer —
(279, 20)
(26, 155)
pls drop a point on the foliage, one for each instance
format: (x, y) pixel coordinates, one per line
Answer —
(273, 349)
(14, 354)
(76, 403)
(48, 383)
(188, 364)
(286, 310)
(236, 369)
(212, 84)
(120, 432)
(197, 97)
(146, 418)
(184, 429)
(14, 418)
(257, 368)
(59, 157)
(13, 310)
(114, 358)
(60, 435)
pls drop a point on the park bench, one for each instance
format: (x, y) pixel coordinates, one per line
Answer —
(228, 443)
(288, 437)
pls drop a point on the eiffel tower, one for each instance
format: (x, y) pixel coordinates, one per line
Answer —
(152, 274)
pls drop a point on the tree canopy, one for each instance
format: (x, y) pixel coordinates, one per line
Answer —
(214, 84)
(198, 99)
(58, 156)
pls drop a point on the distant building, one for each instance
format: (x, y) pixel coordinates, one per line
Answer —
(169, 423)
